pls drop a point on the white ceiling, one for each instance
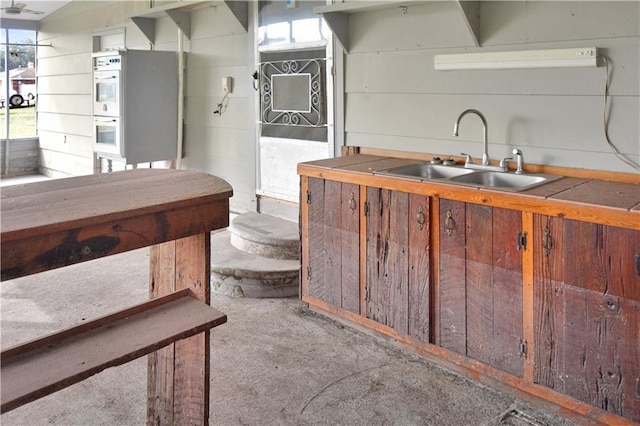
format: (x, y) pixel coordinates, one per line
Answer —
(47, 6)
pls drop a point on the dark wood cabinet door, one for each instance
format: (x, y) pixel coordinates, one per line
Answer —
(587, 312)
(480, 284)
(397, 289)
(333, 275)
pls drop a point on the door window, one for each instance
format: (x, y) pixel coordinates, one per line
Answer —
(293, 95)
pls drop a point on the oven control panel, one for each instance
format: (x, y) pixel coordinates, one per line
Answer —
(113, 62)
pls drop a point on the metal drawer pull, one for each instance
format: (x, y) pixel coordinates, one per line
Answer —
(420, 218)
(547, 241)
(449, 224)
(353, 205)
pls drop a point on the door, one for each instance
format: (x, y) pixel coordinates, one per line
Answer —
(107, 136)
(295, 91)
(106, 87)
(397, 287)
(587, 312)
(333, 272)
(481, 284)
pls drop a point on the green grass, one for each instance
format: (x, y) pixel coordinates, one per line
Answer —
(22, 122)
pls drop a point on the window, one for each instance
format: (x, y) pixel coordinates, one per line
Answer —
(292, 41)
(282, 25)
(18, 84)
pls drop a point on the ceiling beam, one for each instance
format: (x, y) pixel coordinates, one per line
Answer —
(18, 24)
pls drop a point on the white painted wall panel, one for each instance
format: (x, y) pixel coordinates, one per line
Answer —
(224, 23)
(202, 154)
(433, 25)
(69, 64)
(199, 111)
(276, 182)
(63, 46)
(219, 46)
(69, 143)
(513, 121)
(218, 142)
(69, 84)
(80, 16)
(65, 104)
(527, 22)
(66, 123)
(64, 164)
(228, 51)
(413, 72)
(394, 99)
(545, 155)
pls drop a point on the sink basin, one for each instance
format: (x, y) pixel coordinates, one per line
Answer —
(427, 171)
(505, 181)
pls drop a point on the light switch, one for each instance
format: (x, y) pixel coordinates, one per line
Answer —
(227, 84)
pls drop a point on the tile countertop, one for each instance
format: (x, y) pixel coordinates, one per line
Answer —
(596, 200)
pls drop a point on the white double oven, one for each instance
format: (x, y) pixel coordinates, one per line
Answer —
(135, 105)
(107, 107)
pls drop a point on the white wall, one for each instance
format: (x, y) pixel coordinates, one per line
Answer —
(64, 83)
(219, 46)
(394, 99)
(223, 145)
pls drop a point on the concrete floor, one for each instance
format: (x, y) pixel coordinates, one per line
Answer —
(273, 363)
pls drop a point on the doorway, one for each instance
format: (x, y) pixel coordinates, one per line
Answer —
(295, 91)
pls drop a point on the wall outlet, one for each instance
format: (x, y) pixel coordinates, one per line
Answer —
(227, 84)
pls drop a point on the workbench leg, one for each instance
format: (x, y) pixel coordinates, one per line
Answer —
(178, 375)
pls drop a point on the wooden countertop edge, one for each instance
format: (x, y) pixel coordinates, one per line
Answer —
(626, 218)
(16, 234)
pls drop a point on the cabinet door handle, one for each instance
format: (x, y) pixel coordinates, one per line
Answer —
(353, 205)
(547, 241)
(420, 217)
(449, 224)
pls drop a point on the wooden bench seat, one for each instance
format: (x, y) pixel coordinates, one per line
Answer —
(43, 366)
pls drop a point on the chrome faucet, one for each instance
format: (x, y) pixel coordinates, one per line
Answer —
(485, 154)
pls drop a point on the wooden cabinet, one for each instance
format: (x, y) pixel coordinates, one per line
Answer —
(333, 270)
(537, 290)
(480, 286)
(587, 312)
(397, 261)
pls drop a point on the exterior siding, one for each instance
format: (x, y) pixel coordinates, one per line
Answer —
(395, 99)
(219, 47)
(392, 96)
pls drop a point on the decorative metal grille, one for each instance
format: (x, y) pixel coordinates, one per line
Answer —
(292, 93)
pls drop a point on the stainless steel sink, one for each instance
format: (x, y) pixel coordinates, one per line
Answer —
(505, 181)
(426, 171)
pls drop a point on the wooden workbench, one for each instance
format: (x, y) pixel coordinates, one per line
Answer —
(56, 223)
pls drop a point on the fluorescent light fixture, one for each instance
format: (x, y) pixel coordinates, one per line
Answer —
(550, 58)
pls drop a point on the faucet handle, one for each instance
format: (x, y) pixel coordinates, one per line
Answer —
(503, 163)
(468, 159)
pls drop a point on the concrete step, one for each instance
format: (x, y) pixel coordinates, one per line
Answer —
(265, 236)
(237, 273)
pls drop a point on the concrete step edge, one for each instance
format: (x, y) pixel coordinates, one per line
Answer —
(265, 235)
(227, 259)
